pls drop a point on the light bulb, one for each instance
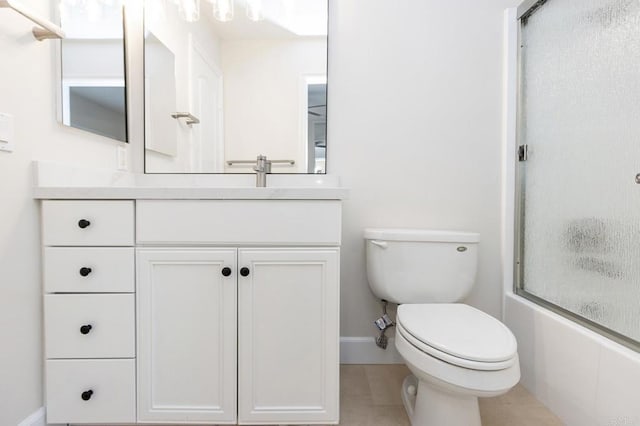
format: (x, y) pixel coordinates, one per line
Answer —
(156, 11)
(189, 10)
(287, 8)
(254, 10)
(94, 11)
(223, 10)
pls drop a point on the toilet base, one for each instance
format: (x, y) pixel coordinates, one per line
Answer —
(432, 406)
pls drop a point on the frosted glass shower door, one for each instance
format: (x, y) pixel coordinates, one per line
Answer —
(580, 119)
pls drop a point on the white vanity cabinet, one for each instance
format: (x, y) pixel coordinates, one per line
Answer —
(236, 311)
(288, 354)
(89, 311)
(271, 323)
(187, 327)
(273, 313)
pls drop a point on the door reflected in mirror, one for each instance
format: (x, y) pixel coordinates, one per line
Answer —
(218, 94)
(93, 67)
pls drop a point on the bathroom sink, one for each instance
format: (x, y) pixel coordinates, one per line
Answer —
(54, 181)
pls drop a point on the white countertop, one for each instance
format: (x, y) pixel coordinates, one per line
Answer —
(55, 181)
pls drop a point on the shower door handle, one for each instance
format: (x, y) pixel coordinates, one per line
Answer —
(638, 178)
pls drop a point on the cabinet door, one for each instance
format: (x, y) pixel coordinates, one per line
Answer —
(288, 336)
(187, 335)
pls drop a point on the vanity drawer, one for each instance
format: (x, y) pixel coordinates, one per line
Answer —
(89, 326)
(233, 222)
(89, 270)
(91, 391)
(87, 223)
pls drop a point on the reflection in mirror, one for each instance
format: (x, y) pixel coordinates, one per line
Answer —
(317, 125)
(93, 68)
(160, 97)
(228, 81)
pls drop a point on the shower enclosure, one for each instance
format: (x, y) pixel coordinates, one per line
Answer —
(578, 218)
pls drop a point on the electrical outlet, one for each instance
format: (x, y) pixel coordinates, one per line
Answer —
(6, 132)
(122, 158)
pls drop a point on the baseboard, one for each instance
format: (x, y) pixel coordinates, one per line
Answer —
(363, 350)
(35, 419)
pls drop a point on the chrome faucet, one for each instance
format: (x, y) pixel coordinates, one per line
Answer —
(262, 168)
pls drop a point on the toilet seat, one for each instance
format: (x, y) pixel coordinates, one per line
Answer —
(458, 334)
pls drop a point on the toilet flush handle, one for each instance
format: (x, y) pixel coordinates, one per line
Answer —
(381, 244)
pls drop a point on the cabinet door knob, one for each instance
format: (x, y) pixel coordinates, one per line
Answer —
(244, 271)
(84, 271)
(83, 223)
(85, 329)
(226, 271)
(86, 395)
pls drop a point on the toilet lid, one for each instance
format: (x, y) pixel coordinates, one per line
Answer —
(459, 330)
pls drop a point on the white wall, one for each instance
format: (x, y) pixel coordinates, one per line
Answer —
(27, 90)
(415, 131)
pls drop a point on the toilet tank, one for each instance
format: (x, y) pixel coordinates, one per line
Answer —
(421, 266)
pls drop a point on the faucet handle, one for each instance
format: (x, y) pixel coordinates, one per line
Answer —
(262, 164)
(262, 168)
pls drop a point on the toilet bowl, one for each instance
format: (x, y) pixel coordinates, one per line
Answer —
(456, 353)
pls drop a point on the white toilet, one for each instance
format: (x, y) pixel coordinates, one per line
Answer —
(455, 352)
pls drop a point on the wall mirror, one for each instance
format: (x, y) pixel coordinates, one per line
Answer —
(227, 80)
(93, 90)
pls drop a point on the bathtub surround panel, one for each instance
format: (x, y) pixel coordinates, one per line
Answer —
(583, 377)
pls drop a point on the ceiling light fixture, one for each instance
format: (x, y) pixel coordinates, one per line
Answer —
(223, 10)
(189, 10)
(254, 10)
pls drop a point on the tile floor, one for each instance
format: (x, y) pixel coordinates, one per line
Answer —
(370, 396)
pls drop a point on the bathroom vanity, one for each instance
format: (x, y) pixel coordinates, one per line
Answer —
(192, 308)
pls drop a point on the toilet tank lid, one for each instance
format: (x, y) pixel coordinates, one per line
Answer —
(430, 235)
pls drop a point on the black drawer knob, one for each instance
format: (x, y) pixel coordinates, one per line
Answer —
(86, 395)
(83, 223)
(226, 271)
(84, 271)
(85, 329)
(244, 271)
